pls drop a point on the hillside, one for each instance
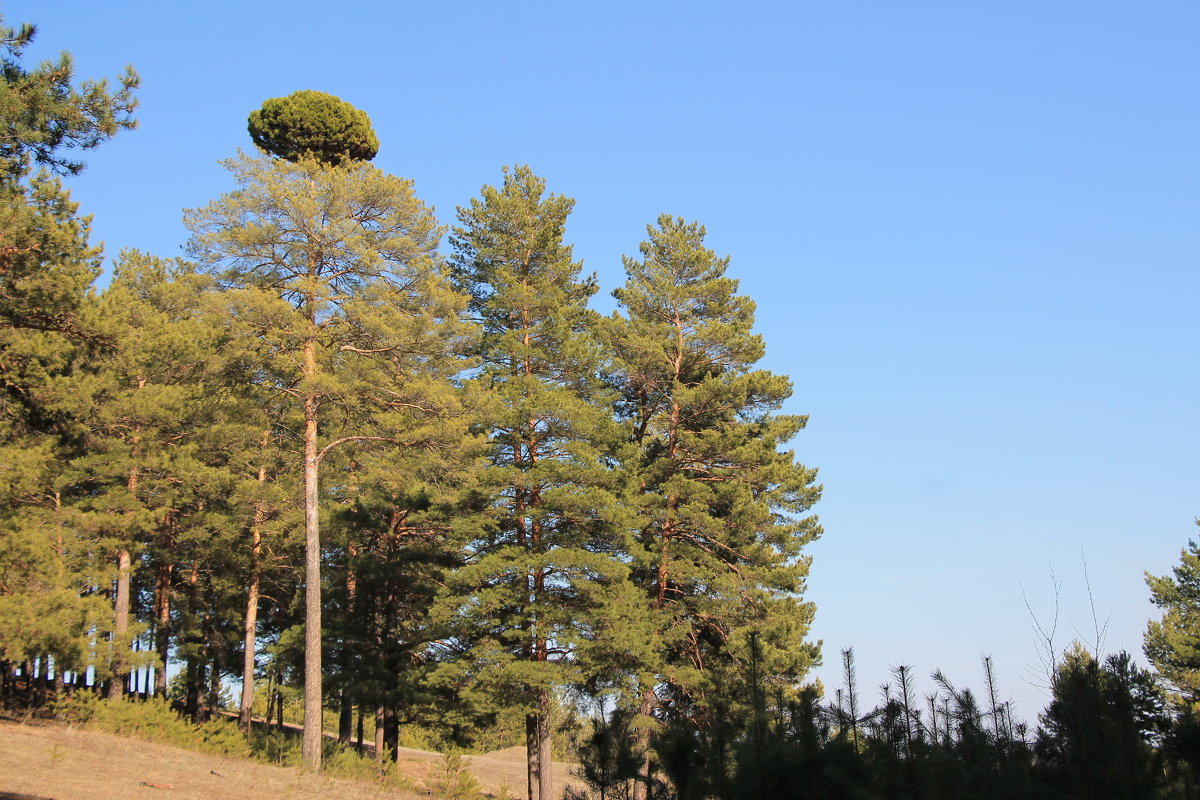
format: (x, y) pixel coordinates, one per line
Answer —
(55, 762)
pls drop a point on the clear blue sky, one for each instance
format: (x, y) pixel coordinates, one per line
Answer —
(970, 227)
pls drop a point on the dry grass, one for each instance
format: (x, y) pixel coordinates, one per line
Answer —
(56, 762)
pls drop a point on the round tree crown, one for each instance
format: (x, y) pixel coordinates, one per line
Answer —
(315, 124)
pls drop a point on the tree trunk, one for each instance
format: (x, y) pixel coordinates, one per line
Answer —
(533, 783)
(251, 629)
(391, 733)
(641, 786)
(346, 720)
(120, 676)
(214, 684)
(346, 717)
(311, 748)
(191, 703)
(116, 686)
(248, 659)
(546, 790)
(379, 735)
(162, 626)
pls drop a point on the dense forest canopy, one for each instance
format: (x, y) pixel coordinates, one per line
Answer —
(323, 459)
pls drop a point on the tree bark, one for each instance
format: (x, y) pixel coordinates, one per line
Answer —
(641, 786)
(311, 748)
(533, 783)
(379, 735)
(546, 788)
(193, 676)
(345, 716)
(391, 733)
(116, 686)
(191, 703)
(346, 720)
(214, 684)
(162, 626)
(251, 629)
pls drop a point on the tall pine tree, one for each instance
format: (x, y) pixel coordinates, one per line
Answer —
(720, 507)
(541, 577)
(337, 266)
(46, 268)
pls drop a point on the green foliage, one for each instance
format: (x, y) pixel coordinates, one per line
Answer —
(48, 334)
(46, 264)
(1097, 741)
(43, 112)
(717, 507)
(332, 270)
(153, 720)
(314, 125)
(454, 780)
(1099, 729)
(536, 596)
(608, 758)
(1173, 643)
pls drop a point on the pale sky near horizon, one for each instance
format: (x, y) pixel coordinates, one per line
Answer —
(970, 229)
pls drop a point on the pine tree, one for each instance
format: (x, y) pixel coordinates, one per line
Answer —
(1096, 733)
(719, 507)
(45, 262)
(541, 577)
(336, 268)
(146, 403)
(1173, 643)
(398, 531)
(46, 267)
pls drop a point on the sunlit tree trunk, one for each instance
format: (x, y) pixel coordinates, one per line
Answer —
(249, 638)
(116, 686)
(311, 748)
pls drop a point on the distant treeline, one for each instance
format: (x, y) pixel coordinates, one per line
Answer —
(1107, 732)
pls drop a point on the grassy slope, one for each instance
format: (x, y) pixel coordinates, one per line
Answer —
(62, 763)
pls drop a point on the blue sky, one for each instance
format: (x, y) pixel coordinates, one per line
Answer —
(970, 228)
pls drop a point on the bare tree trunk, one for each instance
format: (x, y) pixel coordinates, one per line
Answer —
(345, 717)
(214, 684)
(641, 786)
(248, 659)
(379, 735)
(391, 733)
(311, 747)
(532, 757)
(191, 703)
(346, 720)
(193, 676)
(162, 626)
(251, 629)
(120, 676)
(546, 789)
(116, 686)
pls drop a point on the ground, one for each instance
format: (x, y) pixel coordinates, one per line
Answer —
(57, 762)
